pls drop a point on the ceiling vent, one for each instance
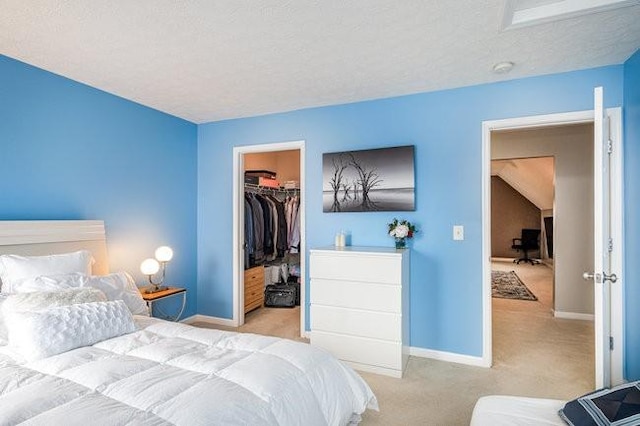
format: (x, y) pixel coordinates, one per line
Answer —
(523, 13)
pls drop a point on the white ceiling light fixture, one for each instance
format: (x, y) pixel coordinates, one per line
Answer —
(523, 13)
(503, 67)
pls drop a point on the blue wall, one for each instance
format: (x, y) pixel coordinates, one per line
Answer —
(69, 151)
(73, 152)
(446, 129)
(632, 214)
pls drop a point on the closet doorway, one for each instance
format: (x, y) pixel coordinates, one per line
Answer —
(269, 177)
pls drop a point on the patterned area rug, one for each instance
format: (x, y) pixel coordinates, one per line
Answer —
(507, 285)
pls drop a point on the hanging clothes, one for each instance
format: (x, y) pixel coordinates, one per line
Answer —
(293, 224)
(267, 240)
(258, 229)
(249, 244)
(272, 227)
(281, 237)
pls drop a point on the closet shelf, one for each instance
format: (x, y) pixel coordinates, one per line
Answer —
(250, 187)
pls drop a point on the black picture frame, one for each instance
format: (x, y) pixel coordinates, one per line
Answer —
(371, 180)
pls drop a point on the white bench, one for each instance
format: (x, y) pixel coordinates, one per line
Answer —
(497, 410)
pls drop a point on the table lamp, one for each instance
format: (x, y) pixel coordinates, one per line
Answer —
(151, 266)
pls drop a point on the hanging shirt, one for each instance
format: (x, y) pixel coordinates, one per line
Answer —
(267, 229)
(274, 226)
(281, 241)
(248, 234)
(258, 230)
(295, 228)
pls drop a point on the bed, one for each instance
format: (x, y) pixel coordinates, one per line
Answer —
(93, 360)
(617, 405)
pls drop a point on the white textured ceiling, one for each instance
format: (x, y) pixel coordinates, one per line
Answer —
(207, 60)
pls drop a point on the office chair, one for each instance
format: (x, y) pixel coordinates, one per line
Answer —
(529, 240)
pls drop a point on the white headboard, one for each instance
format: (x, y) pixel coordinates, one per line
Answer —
(42, 237)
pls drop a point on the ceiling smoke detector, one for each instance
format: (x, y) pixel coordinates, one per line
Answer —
(503, 67)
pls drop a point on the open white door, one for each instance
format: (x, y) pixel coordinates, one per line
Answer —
(602, 275)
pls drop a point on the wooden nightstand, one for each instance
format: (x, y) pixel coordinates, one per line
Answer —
(151, 298)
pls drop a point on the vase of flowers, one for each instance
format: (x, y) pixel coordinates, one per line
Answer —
(401, 230)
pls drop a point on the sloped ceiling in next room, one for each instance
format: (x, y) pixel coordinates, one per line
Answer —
(531, 177)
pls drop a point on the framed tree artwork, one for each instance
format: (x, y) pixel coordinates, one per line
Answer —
(369, 180)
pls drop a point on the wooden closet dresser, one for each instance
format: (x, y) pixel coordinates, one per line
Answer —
(253, 288)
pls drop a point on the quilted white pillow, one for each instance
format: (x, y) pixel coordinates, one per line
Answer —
(14, 268)
(42, 300)
(116, 286)
(40, 334)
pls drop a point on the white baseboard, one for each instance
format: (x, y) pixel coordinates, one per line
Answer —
(211, 320)
(222, 321)
(573, 315)
(375, 369)
(503, 259)
(476, 361)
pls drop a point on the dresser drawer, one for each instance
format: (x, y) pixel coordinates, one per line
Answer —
(253, 305)
(377, 325)
(360, 349)
(253, 288)
(252, 294)
(384, 269)
(253, 299)
(253, 285)
(254, 275)
(358, 295)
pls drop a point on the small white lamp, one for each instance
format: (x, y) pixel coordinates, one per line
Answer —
(164, 254)
(151, 266)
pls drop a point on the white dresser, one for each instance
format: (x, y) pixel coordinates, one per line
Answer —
(360, 306)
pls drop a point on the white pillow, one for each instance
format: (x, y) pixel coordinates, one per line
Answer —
(14, 268)
(40, 334)
(3, 328)
(116, 286)
(120, 286)
(49, 283)
(48, 299)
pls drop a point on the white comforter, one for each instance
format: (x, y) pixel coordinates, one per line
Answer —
(167, 373)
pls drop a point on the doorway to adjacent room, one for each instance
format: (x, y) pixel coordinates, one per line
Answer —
(570, 279)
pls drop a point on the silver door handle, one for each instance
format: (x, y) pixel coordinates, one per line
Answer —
(592, 276)
(599, 278)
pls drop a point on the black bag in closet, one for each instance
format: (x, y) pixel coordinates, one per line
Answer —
(280, 296)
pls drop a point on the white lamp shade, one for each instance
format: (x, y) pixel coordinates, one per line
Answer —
(164, 254)
(149, 266)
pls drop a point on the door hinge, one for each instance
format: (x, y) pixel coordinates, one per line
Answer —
(610, 245)
(610, 343)
(607, 123)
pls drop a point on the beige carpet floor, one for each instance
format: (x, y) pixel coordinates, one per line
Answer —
(534, 355)
(278, 322)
